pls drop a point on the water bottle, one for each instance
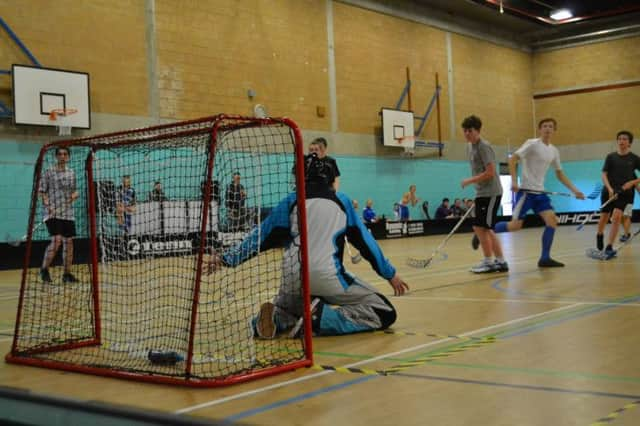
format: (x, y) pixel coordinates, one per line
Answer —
(164, 357)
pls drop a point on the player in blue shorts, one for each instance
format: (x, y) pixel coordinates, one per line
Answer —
(408, 198)
(536, 155)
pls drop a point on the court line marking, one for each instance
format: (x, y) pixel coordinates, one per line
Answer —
(312, 394)
(9, 297)
(417, 273)
(537, 301)
(491, 367)
(614, 414)
(571, 315)
(517, 386)
(298, 398)
(539, 372)
(363, 362)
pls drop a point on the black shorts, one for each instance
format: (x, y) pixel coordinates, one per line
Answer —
(66, 228)
(624, 198)
(486, 211)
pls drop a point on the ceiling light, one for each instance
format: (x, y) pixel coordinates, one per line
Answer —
(560, 14)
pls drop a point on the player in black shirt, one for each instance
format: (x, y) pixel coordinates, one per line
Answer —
(319, 146)
(619, 178)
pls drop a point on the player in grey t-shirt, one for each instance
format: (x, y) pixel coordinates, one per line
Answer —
(58, 192)
(488, 194)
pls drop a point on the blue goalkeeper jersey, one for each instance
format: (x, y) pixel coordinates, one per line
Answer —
(330, 217)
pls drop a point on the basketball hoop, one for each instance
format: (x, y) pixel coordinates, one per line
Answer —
(60, 117)
(407, 143)
(406, 140)
(409, 151)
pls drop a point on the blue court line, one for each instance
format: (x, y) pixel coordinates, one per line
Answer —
(308, 395)
(513, 386)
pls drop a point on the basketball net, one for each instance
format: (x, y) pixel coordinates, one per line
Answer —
(60, 117)
(409, 151)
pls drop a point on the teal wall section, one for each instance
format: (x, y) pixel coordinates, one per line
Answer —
(17, 160)
(383, 180)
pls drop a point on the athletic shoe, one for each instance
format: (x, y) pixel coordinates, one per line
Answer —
(483, 268)
(45, 276)
(266, 321)
(624, 238)
(549, 263)
(500, 266)
(609, 253)
(68, 277)
(475, 242)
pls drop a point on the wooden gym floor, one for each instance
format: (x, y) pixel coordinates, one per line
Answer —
(531, 347)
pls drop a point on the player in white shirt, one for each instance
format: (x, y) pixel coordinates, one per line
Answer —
(536, 155)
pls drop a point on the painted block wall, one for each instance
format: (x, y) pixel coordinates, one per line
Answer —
(382, 180)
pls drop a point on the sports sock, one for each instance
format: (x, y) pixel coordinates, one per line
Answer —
(64, 255)
(47, 253)
(547, 240)
(501, 227)
(599, 241)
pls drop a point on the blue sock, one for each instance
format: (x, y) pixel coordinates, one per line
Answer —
(500, 227)
(547, 240)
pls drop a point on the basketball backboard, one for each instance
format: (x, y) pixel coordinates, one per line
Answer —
(37, 91)
(397, 128)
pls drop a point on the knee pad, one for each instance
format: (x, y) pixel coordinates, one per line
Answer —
(386, 317)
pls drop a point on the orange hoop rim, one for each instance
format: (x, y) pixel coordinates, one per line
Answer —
(54, 113)
(401, 140)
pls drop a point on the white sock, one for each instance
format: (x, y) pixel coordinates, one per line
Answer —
(47, 252)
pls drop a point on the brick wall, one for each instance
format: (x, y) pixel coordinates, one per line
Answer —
(103, 38)
(211, 53)
(494, 83)
(597, 116)
(372, 52)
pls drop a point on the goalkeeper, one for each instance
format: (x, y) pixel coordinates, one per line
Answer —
(344, 303)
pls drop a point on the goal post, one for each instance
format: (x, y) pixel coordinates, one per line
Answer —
(153, 204)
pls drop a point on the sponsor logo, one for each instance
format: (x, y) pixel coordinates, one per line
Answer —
(415, 228)
(577, 218)
(394, 229)
(398, 229)
(135, 247)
